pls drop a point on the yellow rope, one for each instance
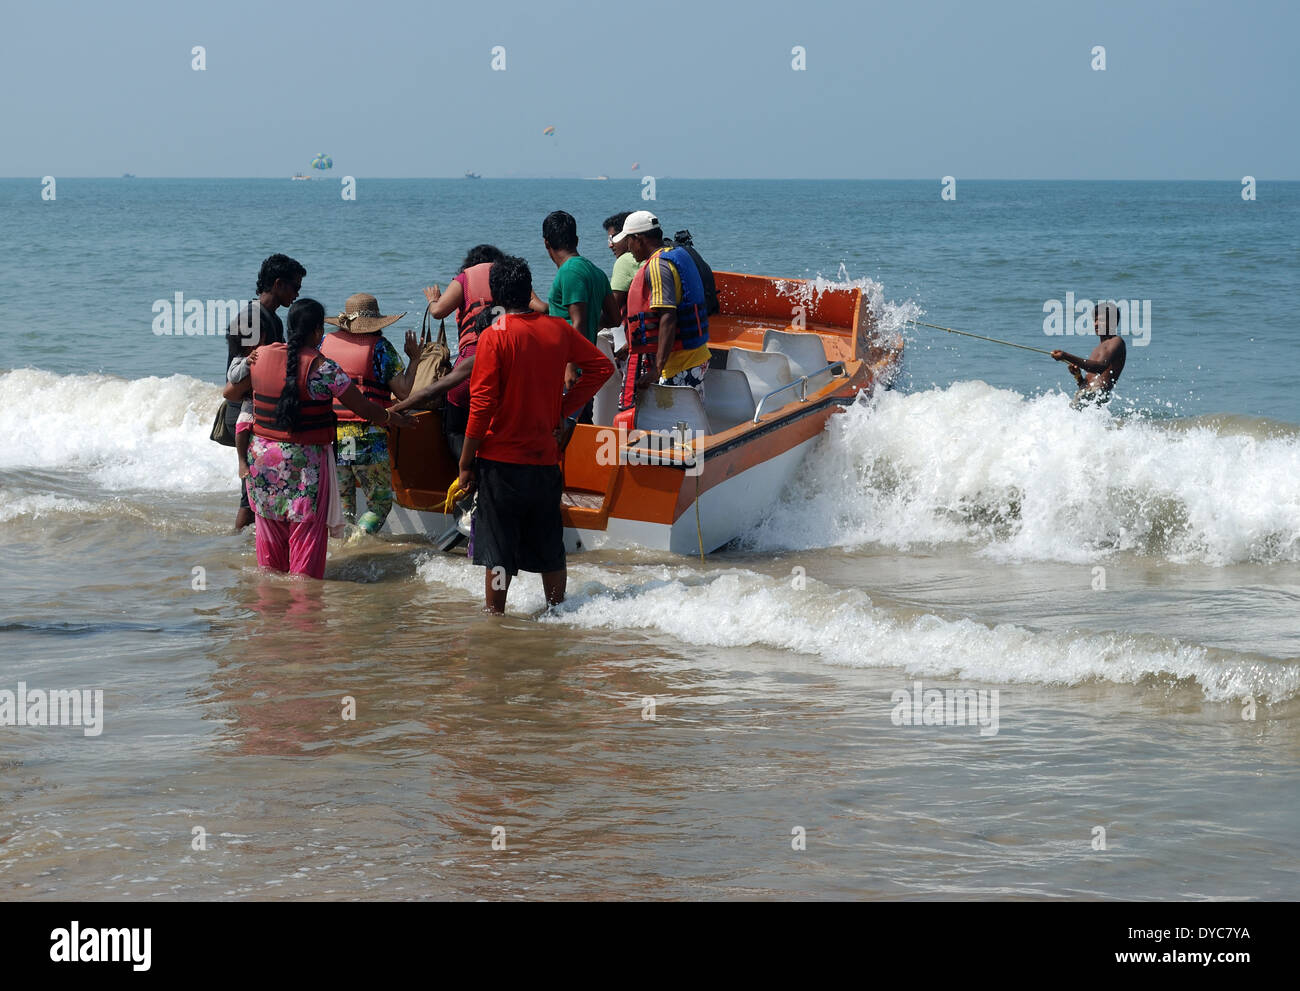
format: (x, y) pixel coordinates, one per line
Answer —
(699, 533)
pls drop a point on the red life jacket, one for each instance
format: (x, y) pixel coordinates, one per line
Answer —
(478, 296)
(643, 322)
(355, 354)
(315, 418)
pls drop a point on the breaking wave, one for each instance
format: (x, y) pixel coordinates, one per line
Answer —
(1032, 479)
(739, 608)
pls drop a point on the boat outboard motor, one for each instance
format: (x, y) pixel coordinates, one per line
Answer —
(682, 239)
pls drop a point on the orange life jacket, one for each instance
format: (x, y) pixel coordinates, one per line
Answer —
(692, 316)
(315, 417)
(478, 296)
(355, 354)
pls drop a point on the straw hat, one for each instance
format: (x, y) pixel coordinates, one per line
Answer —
(361, 315)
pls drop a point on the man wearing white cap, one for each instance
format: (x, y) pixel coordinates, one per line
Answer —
(667, 316)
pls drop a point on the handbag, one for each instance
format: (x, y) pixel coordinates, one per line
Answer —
(435, 356)
(221, 431)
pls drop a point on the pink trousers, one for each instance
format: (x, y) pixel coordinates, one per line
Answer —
(297, 547)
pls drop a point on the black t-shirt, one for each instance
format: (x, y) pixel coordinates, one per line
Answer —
(241, 333)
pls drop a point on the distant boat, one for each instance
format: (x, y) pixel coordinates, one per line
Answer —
(472, 175)
(298, 176)
(127, 175)
(594, 178)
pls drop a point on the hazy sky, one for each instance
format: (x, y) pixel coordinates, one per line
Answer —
(910, 89)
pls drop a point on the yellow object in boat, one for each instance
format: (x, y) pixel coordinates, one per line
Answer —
(454, 492)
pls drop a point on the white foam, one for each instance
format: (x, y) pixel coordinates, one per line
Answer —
(17, 506)
(892, 318)
(149, 433)
(738, 608)
(1032, 479)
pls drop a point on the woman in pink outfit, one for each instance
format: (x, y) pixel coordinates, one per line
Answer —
(290, 468)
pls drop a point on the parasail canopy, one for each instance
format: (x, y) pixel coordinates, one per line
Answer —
(322, 161)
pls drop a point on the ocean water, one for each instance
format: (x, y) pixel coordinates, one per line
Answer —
(1127, 579)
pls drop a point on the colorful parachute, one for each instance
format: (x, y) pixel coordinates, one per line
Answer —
(322, 161)
(549, 130)
(635, 166)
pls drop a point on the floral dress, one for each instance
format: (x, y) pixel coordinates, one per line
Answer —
(284, 481)
(365, 443)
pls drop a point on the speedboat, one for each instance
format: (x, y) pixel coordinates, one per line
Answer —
(689, 475)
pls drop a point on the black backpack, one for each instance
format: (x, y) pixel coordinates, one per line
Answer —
(682, 239)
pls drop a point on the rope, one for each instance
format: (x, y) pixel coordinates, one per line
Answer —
(980, 337)
(699, 533)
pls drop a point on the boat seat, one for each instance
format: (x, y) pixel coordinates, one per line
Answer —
(660, 407)
(764, 370)
(728, 400)
(806, 352)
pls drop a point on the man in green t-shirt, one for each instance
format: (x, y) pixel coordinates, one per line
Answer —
(580, 293)
(625, 265)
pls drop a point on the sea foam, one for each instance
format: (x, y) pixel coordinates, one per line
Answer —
(1031, 479)
(148, 434)
(738, 608)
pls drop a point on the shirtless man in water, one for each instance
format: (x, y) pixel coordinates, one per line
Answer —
(1105, 363)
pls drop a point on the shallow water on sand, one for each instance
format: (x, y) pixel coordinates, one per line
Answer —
(224, 711)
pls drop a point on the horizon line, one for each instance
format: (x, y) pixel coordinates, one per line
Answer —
(570, 178)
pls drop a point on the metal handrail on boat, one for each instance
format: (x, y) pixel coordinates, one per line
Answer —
(835, 368)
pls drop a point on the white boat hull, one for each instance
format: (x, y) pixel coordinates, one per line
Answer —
(725, 512)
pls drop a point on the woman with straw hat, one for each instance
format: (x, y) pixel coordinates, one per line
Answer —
(361, 350)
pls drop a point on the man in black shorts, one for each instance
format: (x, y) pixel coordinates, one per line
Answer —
(520, 417)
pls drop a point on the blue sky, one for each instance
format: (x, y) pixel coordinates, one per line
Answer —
(1191, 90)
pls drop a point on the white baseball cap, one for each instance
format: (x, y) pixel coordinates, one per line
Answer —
(637, 223)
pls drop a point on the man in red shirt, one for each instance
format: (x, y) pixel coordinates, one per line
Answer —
(518, 413)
